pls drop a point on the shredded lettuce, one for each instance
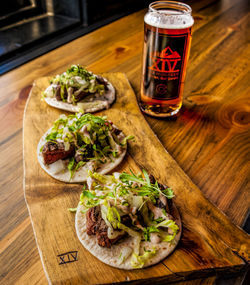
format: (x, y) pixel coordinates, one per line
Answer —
(80, 164)
(104, 211)
(120, 196)
(88, 199)
(79, 78)
(71, 166)
(125, 140)
(171, 225)
(113, 217)
(72, 210)
(168, 238)
(91, 136)
(146, 188)
(138, 261)
(136, 201)
(104, 179)
(168, 224)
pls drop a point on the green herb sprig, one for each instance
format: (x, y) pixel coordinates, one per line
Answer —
(145, 187)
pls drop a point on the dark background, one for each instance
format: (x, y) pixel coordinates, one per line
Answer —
(29, 28)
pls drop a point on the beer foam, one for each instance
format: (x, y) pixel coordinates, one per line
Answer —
(169, 19)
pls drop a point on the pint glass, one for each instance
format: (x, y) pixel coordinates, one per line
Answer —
(167, 38)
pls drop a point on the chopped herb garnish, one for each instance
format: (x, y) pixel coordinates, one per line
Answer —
(125, 202)
(88, 194)
(148, 230)
(91, 137)
(51, 136)
(78, 79)
(146, 188)
(71, 166)
(159, 220)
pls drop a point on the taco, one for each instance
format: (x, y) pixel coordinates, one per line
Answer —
(78, 143)
(127, 221)
(79, 90)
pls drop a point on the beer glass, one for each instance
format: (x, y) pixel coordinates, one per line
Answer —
(167, 38)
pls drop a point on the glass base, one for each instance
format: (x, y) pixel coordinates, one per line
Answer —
(160, 111)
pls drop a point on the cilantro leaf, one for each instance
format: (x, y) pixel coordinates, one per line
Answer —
(88, 194)
(146, 177)
(51, 136)
(71, 166)
(148, 230)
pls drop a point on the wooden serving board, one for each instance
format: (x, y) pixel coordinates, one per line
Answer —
(210, 243)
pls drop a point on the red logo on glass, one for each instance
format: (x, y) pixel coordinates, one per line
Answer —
(165, 61)
(161, 88)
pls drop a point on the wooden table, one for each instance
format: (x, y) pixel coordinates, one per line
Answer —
(209, 140)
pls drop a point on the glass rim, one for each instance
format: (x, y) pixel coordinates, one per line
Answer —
(180, 8)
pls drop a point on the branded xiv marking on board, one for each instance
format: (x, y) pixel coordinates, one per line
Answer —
(67, 257)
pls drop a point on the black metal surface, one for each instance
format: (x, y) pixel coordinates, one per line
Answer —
(12, 6)
(34, 38)
(98, 10)
(32, 52)
(67, 8)
(13, 11)
(246, 281)
(20, 36)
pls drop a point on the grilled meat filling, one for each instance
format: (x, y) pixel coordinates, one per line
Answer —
(53, 151)
(68, 94)
(101, 80)
(97, 226)
(162, 202)
(78, 94)
(59, 95)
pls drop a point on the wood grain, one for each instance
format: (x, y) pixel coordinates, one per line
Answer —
(209, 140)
(202, 251)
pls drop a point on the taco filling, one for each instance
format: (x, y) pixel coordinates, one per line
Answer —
(79, 89)
(80, 142)
(130, 218)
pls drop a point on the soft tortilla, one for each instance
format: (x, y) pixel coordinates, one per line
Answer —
(110, 256)
(90, 104)
(81, 174)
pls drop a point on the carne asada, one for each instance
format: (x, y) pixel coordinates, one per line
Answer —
(77, 143)
(78, 89)
(126, 220)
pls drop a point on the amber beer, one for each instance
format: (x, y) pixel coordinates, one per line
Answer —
(167, 38)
